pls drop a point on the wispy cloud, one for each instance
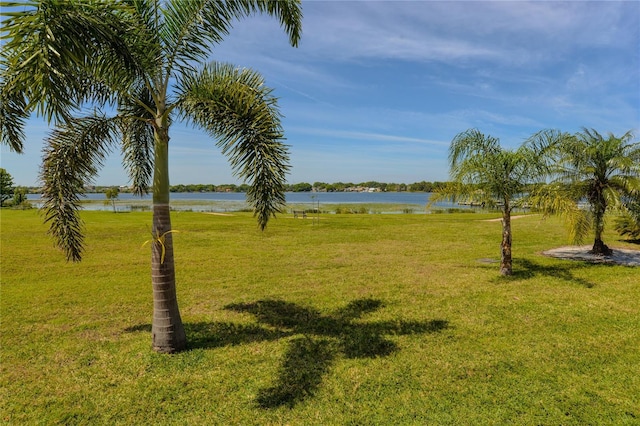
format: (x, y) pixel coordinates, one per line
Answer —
(450, 31)
(345, 134)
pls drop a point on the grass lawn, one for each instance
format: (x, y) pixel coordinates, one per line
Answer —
(349, 320)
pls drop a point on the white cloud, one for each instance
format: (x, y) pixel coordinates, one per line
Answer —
(353, 135)
(517, 32)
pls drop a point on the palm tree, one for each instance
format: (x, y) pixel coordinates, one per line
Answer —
(148, 59)
(485, 173)
(112, 194)
(592, 175)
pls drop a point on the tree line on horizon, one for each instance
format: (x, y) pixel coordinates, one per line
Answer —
(422, 186)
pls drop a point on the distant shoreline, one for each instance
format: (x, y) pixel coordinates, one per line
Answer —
(345, 201)
(320, 187)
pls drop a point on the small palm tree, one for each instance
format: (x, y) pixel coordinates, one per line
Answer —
(112, 194)
(483, 172)
(592, 175)
(148, 59)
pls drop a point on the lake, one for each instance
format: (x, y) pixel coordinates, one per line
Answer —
(383, 202)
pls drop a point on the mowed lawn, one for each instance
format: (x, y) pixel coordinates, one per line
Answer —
(349, 320)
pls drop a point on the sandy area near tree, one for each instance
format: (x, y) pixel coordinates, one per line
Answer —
(620, 256)
(512, 217)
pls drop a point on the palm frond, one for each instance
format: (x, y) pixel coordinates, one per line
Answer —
(13, 116)
(137, 149)
(190, 27)
(561, 199)
(628, 223)
(288, 12)
(544, 153)
(72, 155)
(49, 40)
(138, 140)
(468, 144)
(236, 107)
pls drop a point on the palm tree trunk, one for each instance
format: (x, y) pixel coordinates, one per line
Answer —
(599, 247)
(167, 328)
(506, 263)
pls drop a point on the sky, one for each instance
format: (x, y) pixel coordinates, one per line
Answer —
(376, 90)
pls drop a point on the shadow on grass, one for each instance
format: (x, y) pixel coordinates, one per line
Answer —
(527, 269)
(319, 340)
(630, 240)
(203, 335)
(305, 362)
(324, 337)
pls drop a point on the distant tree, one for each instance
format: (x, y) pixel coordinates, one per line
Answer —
(226, 188)
(339, 186)
(484, 172)
(370, 184)
(301, 187)
(6, 186)
(591, 176)
(422, 186)
(112, 195)
(320, 186)
(20, 197)
(437, 185)
(392, 187)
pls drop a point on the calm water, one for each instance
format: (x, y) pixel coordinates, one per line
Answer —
(229, 201)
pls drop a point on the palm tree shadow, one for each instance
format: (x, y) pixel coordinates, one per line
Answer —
(630, 240)
(206, 335)
(202, 335)
(324, 337)
(305, 362)
(319, 340)
(526, 269)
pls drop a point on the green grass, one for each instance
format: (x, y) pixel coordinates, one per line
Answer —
(352, 320)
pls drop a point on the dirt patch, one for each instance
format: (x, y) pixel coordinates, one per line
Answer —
(218, 214)
(619, 256)
(512, 217)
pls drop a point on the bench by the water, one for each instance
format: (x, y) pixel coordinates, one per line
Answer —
(303, 213)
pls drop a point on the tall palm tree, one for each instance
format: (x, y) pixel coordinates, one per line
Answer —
(148, 59)
(483, 172)
(593, 174)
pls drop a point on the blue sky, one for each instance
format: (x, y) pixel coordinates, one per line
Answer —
(376, 90)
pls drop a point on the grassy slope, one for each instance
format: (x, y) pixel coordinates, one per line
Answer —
(362, 319)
